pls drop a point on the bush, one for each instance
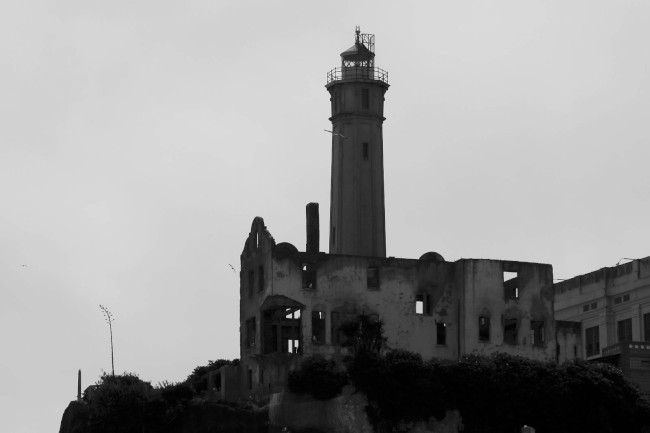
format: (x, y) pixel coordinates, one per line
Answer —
(318, 377)
(499, 393)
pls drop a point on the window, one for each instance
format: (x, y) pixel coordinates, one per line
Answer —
(261, 376)
(260, 278)
(484, 328)
(250, 378)
(308, 277)
(441, 333)
(585, 308)
(250, 334)
(317, 327)
(365, 98)
(594, 305)
(335, 324)
(646, 327)
(510, 285)
(510, 331)
(251, 282)
(537, 333)
(366, 151)
(626, 298)
(422, 304)
(624, 329)
(333, 240)
(372, 278)
(592, 339)
(617, 300)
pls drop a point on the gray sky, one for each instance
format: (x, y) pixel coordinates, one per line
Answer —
(139, 139)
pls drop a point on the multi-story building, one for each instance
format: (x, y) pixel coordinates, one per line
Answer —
(292, 303)
(610, 308)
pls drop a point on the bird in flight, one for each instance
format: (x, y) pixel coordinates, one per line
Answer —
(335, 133)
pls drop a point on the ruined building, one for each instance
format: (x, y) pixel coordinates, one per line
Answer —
(292, 302)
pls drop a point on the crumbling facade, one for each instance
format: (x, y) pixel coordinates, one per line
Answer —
(293, 302)
(610, 310)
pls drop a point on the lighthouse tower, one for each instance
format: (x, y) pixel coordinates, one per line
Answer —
(357, 88)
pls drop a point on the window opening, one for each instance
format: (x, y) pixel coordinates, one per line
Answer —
(484, 328)
(592, 339)
(250, 378)
(251, 330)
(646, 327)
(257, 240)
(251, 282)
(333, 235)
(372, 278)
(335, 325)
(625, 330)
(260, 278)
(261, 376)
(366, 151)
(308, 276)
(318, 327)
(293, 346)
(510, 331)
(511, 285)
(441, 333)
(422, 304)
(594, 305)
(537, 333)
(585, 308)
(626, 298)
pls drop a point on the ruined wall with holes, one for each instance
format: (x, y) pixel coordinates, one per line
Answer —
(517, 298)
(293, 302)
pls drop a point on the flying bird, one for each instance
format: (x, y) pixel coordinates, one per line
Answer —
(335, 133)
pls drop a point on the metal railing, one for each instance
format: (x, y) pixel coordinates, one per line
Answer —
(357, 73)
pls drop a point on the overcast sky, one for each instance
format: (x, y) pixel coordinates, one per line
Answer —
(139, 139)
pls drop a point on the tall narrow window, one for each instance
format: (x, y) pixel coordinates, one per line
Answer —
(251, 330)
(335, 324)
(260, 278)
(250, 378)
(251, 282)
(333, 235)
(317, 327)
(646, 327)
(510, 331)
(537, 333)
(441, 333)
(365, 98)
(372, 278)
(592, 339)
(510, 285)
(625, 330)
(308, 276)
(484, 328)
(366, 150)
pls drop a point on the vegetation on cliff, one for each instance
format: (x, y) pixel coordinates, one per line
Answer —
(125, 403)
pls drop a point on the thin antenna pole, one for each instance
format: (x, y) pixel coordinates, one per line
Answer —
(109, 320)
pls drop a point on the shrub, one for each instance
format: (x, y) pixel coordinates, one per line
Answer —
(318, 377)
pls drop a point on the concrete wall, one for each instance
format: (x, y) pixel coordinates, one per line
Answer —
(603, 298)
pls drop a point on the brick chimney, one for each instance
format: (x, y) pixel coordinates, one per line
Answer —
(313, 230)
